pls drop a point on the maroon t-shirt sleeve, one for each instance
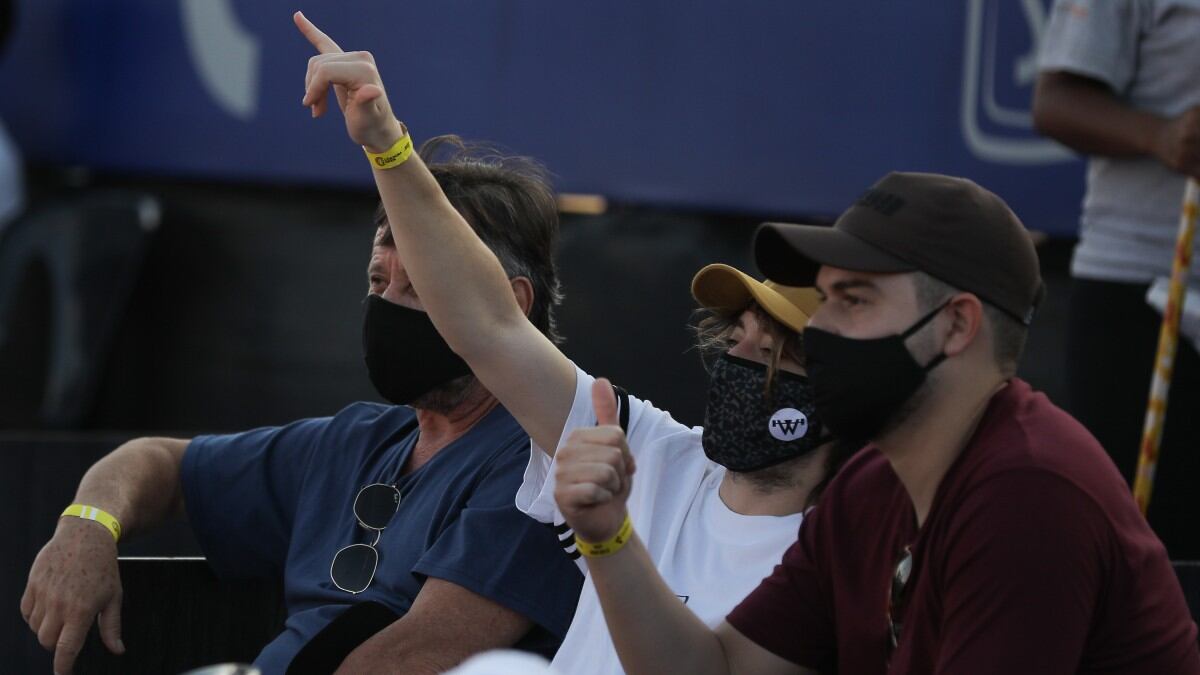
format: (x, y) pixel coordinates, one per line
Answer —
(1021, 577)
(788, 614)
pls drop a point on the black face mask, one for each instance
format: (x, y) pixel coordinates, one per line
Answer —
(406, 357)
(747, 430)
(860, 384)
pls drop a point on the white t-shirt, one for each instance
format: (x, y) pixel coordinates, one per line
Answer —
(708, 555)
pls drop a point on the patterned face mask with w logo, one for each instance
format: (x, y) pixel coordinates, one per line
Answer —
(747, 426)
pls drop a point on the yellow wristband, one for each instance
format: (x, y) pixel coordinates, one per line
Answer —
(603, 548)
(92, 513)
(394, 156)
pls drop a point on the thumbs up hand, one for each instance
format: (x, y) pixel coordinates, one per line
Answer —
(595, 471)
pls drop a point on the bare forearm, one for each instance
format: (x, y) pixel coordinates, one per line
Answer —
(1086, 116)
(400, 653)
(446, 625)
(74, 578)
(459, 280)
(651, 629)
(468, 296)
(138, 483)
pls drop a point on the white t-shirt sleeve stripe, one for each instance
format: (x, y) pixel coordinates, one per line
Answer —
(648, 428)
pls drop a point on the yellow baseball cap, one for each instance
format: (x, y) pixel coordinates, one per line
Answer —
(728, 290)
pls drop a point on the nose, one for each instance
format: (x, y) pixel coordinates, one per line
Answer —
(398, 284)
(743, 349)
(754, 343)
(392, 293)
(819, 318)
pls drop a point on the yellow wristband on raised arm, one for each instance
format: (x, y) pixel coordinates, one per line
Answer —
(394, 156)
(609, 547)
(99, 515)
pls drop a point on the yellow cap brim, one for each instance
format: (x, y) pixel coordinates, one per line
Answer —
(728, 290)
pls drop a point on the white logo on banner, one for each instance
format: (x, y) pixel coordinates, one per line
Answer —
(981, 69)
(227, 56)
(788, 424)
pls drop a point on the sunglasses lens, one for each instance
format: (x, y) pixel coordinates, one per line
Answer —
(376, 504)
(901, 575)
(354, 568)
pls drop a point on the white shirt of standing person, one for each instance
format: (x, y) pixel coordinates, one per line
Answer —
(708, 555)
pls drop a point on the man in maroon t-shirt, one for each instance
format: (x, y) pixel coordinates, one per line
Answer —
(982, 530)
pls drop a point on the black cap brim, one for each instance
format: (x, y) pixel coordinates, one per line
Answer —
(792, 254)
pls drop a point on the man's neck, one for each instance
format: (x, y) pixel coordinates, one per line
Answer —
(782, 495)
(922, 449)
(439, 429)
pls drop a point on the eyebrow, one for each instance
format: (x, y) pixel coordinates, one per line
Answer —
(850, 284)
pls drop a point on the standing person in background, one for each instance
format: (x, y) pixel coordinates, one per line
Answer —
(1120, 81)
(717, 506)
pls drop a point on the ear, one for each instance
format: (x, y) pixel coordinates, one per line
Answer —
(523, 290)
(965, 312)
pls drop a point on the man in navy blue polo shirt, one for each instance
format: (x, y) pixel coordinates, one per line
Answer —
(405, 510)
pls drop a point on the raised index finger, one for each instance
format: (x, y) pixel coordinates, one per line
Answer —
(315, 37)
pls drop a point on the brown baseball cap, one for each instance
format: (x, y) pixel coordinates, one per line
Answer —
(728, 290)
(950, 228)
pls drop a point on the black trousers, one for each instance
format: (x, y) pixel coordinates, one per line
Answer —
(1112, 338)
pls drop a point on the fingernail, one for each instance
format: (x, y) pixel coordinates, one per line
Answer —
(120, 644)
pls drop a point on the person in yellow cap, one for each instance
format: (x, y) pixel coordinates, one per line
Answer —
(716, 506)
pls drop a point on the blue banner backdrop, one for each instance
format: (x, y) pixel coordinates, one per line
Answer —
(763, 107)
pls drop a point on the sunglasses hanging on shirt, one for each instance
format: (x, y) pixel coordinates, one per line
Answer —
(354, 566)
(897, 596)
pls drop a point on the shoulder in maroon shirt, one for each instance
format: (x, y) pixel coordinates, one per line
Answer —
(1033, 559)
